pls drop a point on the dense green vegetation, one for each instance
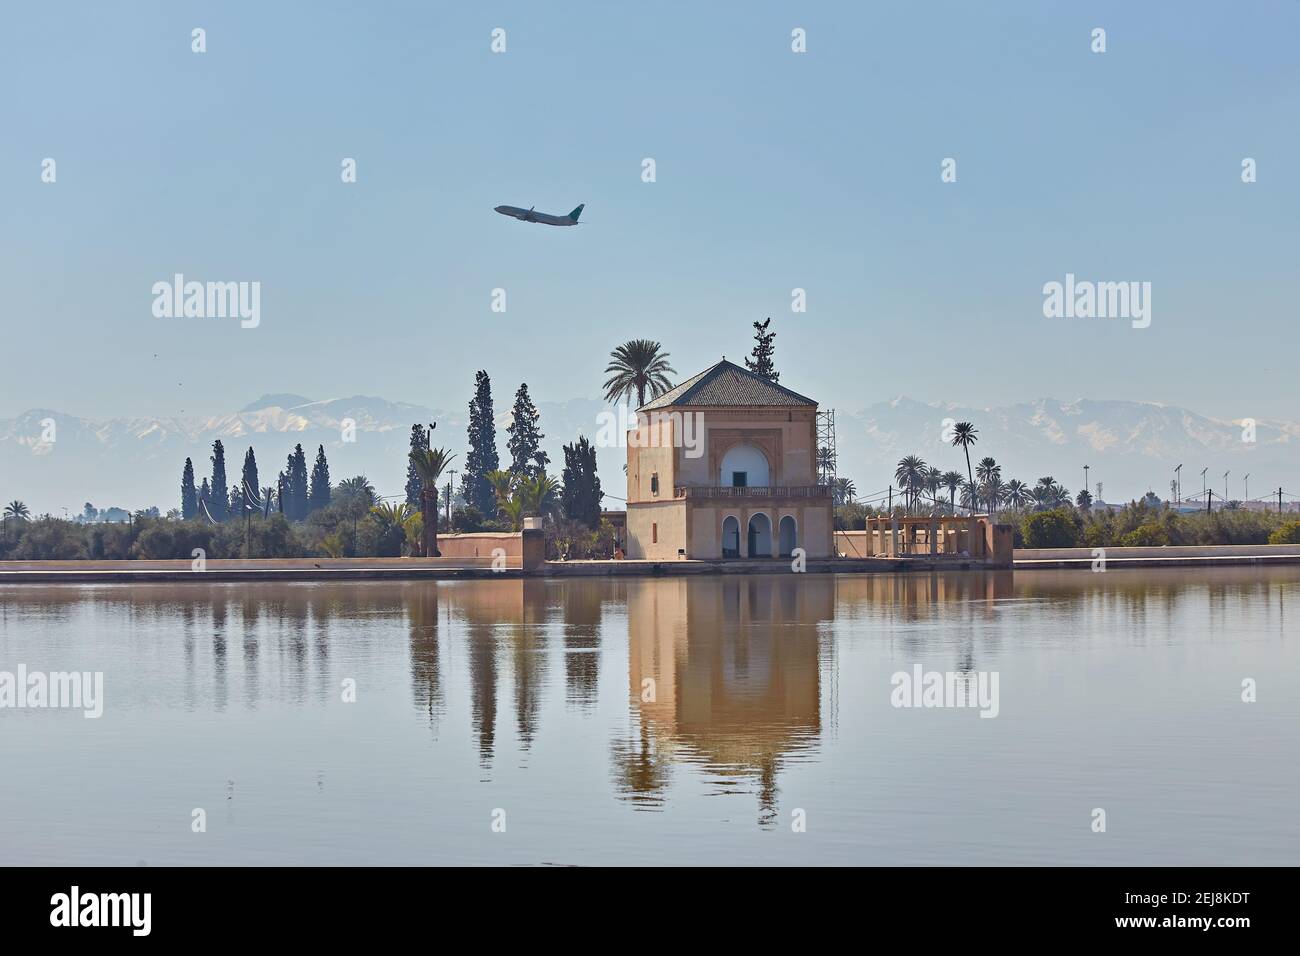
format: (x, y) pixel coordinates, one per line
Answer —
(304, 515)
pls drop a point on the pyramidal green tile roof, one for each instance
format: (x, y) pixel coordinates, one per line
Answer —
(728, 384)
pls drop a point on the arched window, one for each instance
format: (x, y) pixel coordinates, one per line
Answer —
(744, 466)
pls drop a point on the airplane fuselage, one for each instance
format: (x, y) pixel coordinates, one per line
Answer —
(531, 215)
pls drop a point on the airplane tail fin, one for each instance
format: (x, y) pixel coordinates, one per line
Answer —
(577, 212)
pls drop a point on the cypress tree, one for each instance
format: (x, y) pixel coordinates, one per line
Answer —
(297, 473)
(189, 496)
(581, 494)
(320, 482)
(219, 503)
(482, 457)
(527, 458)
(249, 481)
(761, 363)
(419, 440)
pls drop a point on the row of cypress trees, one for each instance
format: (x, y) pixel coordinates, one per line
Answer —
(294, 494)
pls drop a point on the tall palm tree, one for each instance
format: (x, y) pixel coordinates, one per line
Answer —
(16, 509)
(910, 475)
(636, 366)
(952, 481)
(989, 474)
(1017, 493)
(429, 464)
(969, 496)
(933, 482)
(965, 434)
(844, 491)
(995, 490)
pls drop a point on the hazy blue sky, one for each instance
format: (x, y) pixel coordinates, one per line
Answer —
(775, 170)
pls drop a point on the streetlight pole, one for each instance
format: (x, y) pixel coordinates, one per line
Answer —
(1247, 483)
(1225, 486)
(1085, 477)
(1178, 480)
(1204, 486)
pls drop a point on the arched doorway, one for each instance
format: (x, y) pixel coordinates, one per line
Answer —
(760, 536)
(786, 536)
(731, 537)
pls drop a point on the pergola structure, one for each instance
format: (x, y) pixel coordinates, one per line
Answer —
(920, 535)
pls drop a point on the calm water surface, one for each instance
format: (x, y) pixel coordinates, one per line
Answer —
(683, 720)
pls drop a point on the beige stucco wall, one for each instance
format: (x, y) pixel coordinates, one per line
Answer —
(650, 451)
(670, 516)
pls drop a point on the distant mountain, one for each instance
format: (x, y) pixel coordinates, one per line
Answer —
(1131, 447)
(281, 400)
(137, 462)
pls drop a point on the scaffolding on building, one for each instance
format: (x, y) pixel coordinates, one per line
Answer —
(827, 457)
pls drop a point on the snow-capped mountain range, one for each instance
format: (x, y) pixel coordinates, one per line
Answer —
(1131, 447)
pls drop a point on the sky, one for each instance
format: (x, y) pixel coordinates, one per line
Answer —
(774, 170)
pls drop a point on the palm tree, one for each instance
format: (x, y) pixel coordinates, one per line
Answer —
(969, 496)
(843, 491)
(933, 482)
(358, 487)
(512, 509)
(952, 481)
(910, 475)
(1017, 493)
(965, 434)
(989, 473)
(994, 490)
(636, 366)
(391, 512)
(502, 482)
(16, 509)
(429, 464)
(537, 494)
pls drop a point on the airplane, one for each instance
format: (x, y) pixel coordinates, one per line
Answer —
(528, 215)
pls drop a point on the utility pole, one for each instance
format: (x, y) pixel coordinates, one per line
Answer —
(1204, 486)
(1225, 486)
(1178, 479)
(1085, 477)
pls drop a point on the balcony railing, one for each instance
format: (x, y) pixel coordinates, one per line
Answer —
(752, 491)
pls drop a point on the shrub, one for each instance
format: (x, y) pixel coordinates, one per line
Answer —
(1057, 528)
(1289, 533)
(50, 540)
(1149, 535)
(467, 520)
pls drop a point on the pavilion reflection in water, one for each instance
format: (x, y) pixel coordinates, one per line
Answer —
(726, 674)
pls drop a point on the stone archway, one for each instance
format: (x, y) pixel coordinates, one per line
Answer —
(787, 536)
(760, 536)
(731, 537)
